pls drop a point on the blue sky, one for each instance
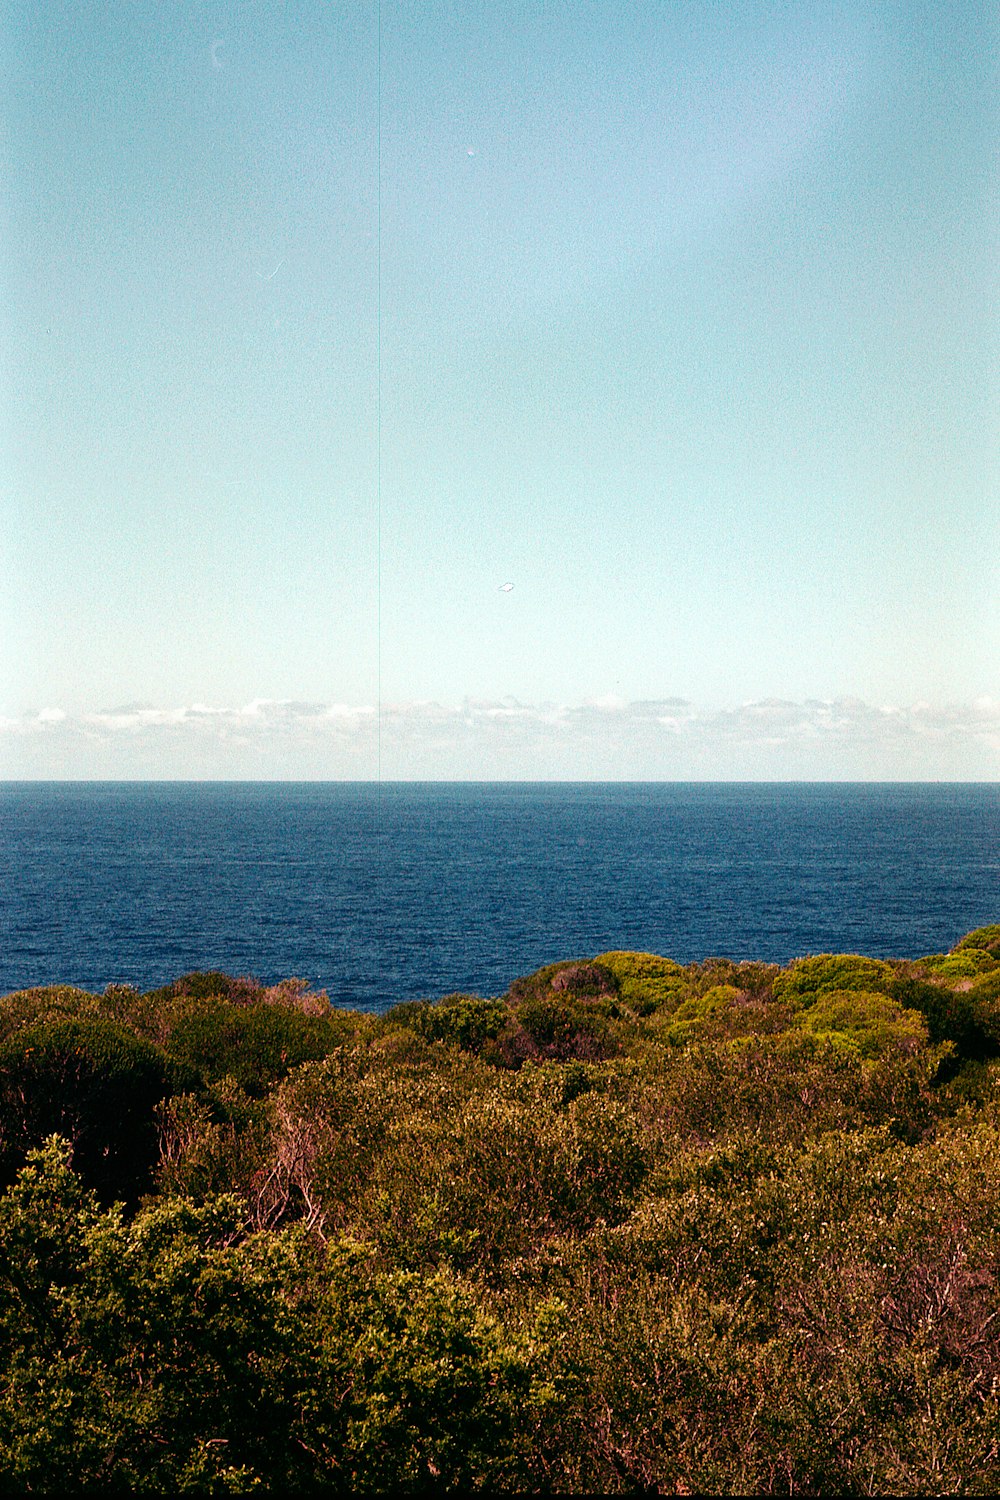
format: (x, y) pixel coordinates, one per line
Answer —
(686, 324)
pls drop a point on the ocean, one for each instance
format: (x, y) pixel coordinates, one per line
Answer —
(407, 890)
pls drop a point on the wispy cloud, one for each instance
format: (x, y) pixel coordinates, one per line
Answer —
(602, 738)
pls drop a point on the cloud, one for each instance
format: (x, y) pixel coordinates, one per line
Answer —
(605, 738)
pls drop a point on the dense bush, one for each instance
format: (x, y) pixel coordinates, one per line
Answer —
(645, 981)
(633, 1227)
(45, 1003)
(576, 980)
(869, 1024)
(94, 1083)
(981, 939)
(255, 1045)
(952, 1015)
(807, 977)
(551, 1027)
(967, 964)
(464, 1021)
(174, 1354)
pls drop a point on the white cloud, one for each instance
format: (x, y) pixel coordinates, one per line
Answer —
(600, 739)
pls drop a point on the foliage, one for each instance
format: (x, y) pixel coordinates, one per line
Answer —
(256, 1045)
(960, 1016)
(645, 981)
(464, 1021)
(701, 1014)
(807, 977)
(981, 939)
(45, 1002)
(96, 1084)
(210, 984)
(634, 1227)
(173, 1354)
(212, 1142)
(551, 1027)
(985, 990)
(969, 963)
(574, 980)
(869, 1024)
(521, 1172)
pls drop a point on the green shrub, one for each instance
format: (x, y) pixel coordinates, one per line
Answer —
(951, 1015)
(330, 1121)
(776, 1240)
(254, 1044)
(803, 1310)
(576, 979)
(867, 1023)
(967, 964)
(520, 1167)
(174, 1354)
(93, 1082)
(981, 939)
(807, 977)
(44, 1003)
(464, 1021)
(209, 984)
(561, 1011)
(984, 998)
(214, 1141)
(696, 1015)
(721, 1013)
(753, 979)
(418, 1390)
(552, 1028)
(986, 988)
(645, 981)
(786, 1087)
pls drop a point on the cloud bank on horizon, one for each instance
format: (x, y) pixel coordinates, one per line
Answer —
(602, 739)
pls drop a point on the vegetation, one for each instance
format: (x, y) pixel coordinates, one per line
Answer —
(632, 1227)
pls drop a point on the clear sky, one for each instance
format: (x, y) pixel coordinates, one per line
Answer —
(684, 319)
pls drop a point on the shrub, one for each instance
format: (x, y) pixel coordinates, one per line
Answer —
(776, 1239)
(464, 1021)
(695, 1015)
(807, 977)
(786, 1087)
(867, 1023)
(982, 939)
(43, 1003)
(986, 988)
(573, 980)
(173, 1354)
(984, 999)
(209, 984)
(559, 1029)
(329, 1123)
(521, 1167)
(967, 964)
(561, 1011)
(93, 1082)
(951, 1015)
(645, 981)
(254, 1044)
(753, 978)
(213, 1142)
(417, 1390)
(721, 1013)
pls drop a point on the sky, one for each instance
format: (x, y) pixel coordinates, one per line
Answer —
(322, 322)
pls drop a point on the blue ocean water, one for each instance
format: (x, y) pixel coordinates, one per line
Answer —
(378, 894)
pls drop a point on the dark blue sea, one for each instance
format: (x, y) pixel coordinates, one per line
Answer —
(378, 894)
